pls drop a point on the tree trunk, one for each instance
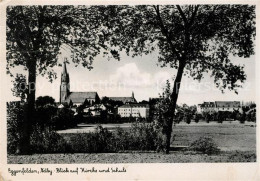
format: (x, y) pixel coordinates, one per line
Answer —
(24, 146)
(174, 97)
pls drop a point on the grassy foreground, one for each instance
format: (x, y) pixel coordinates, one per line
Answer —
(134, 157)
(228, 136)
(237, 143)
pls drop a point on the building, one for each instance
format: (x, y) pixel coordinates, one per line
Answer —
(219, 106)
(95, 110)
(124, 99)
(228, 106)
(134, 110)
(76, 98)
(206, 106)
(100, 107)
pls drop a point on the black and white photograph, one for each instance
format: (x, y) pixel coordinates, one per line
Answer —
(130, 84)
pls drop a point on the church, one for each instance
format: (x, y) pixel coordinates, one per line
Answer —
(124, 99)
(76, 98)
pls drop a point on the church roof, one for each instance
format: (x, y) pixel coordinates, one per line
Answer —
(207, 104)
(123, 99)
(135, 106)
(221, 104)
(80, 97)
(227, 103)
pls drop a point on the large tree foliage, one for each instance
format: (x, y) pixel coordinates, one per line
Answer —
(36, 33)
(194, 39)
(34, 37)
(201, 36)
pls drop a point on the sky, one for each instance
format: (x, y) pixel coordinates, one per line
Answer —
(140, 75)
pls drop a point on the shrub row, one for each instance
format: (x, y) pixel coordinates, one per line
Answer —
(141, 136)
(47, 118)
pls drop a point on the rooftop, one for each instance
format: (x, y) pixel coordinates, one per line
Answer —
(123, 99)
(80, 97)
(135, 105)
(227, 103)
(220, 104)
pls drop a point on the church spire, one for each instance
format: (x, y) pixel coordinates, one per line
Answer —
(65, 83)
(64, 71)
(133, 94)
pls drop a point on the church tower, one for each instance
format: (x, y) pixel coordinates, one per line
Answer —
(133, 96)
(65, 83)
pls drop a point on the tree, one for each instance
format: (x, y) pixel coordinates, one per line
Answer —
(86, 103)
(70, 104)
(35, 35)
(162, 114)
(105, 100)
(144, 102)
(44, 112)
(63, 119)
(194, 39)
(197, 117)
(242, 118)
(44, 115)
(207, 116)
(44, 100)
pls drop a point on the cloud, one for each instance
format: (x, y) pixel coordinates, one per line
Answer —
(130, 75)
(162, 76)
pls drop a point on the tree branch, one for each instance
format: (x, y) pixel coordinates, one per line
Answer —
(214, 66)
(165, 31)
(182, 15)
(193, 15)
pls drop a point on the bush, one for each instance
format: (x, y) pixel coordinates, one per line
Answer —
(47, 141)
(43, 138)
(64, 119)
(205, 145)
(97, 142)
(141, 136)
(44, 115)
(242, 157)
(15, 121)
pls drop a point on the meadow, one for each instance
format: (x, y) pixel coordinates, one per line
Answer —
(229, 136)
(236, 141)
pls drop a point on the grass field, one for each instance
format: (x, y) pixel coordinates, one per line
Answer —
(236, 141)
(228, 136)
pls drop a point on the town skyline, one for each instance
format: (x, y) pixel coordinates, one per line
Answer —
(140, 75)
